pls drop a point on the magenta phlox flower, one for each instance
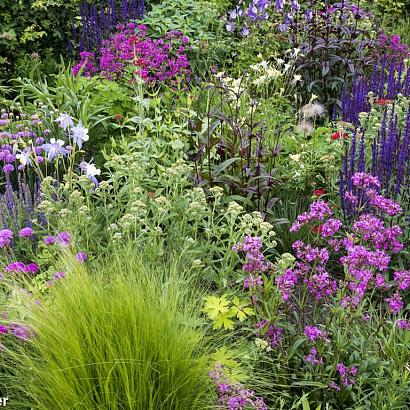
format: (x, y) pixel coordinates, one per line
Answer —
(363, 180)
(395, 303)
(347, 374)
(402, 278)
(255, 260)
(403, 324)
(330, 227)
(234, 396)
(318, 211)
(275, 335)
(63, 238)
(313, 333)
(312, 357)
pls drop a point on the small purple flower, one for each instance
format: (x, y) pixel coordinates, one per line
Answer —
(81, 257)
(59, 275)
(4, 329)
(50, 240)
(32, 268)
(5, 237)
(26, 232)
(21, 332)
(313, 333)
(403, 324)
(64, 238)
(8, 168)
(229, 27)
(395, 303)
(245, 31)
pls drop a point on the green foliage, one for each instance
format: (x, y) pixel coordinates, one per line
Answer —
(28, 32)
(200, 21)
(124, 335)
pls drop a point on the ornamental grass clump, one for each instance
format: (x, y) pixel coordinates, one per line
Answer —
(121, 337)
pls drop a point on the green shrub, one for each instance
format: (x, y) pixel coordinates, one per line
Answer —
(126, 338)
(28, 32)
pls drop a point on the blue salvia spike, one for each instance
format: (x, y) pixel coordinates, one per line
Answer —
(397, 88)
(374, 78)
(353, 153)
(141, 9)
(391, 81)
(113, 13)
(133, 9)
(124, 10)
(382, 79)
(361, 162)
(342, 194)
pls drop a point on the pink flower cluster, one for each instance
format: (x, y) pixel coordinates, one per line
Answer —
(369, 185)
(366, 246)
(162, 60)
(319, 210)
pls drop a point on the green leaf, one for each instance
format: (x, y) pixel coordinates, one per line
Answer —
(241, 309)
(215, 306)
(224, 321)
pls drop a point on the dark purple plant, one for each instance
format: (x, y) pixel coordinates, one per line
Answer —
(99, 19)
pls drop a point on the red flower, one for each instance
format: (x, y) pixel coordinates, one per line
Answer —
(338, 134)
(382, 101)
(317, 229)
(319, 192)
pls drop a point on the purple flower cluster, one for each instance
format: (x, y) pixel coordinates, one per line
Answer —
(234, 396)
(313, 357)
(255, 260)
(362, 190)
(242, 19)
(366, 248)
(347, 374)
(22, 332)
(313, 333)
(392, 48)
(21, 138)
(310, 270)
(162, 60)
(20, 267)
